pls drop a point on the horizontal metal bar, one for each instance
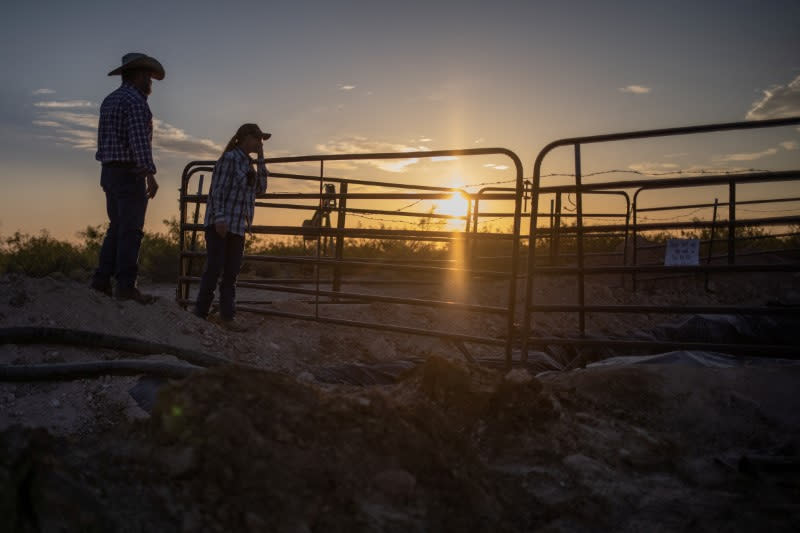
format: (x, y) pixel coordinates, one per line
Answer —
(719, 204)
(366, 233)
(363, 264)
(202, 198)
(309, 207)
(666, 309)
(722, 241)
(403, 214)
(379, 298)
(325, 281)
(740, 253)
(698, 269)
(680, 182)
(666, 132)
(330, 179)
(393, 155)
(765, 350)
(414, 214)
(369, 156)
(650, 226)
(379, 327)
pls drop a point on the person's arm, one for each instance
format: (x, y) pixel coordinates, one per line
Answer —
(261, 173)
(140, 137)
(221, 182)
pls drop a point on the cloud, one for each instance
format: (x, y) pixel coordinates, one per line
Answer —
(752, 156)
(346, 87)
(79, 130)
(361, 145)
(47, 123)
(444, 158)
(171, 139)
(65, 104)
(43, 91)
(86, 120)
(635, 89)
(778, 101)
(80, 139)
(789, 145)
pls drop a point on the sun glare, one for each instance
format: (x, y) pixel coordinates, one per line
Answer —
(455, 205)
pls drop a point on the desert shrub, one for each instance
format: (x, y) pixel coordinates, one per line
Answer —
(40, 255)
(158, 256)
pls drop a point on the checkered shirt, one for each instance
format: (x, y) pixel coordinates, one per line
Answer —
(231, 198)
(125, 131)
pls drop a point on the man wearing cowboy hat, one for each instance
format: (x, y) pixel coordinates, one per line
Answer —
(124, 147)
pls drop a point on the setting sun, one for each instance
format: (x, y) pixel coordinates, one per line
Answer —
(455, 205)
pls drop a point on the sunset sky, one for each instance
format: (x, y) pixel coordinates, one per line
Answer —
(351, 76)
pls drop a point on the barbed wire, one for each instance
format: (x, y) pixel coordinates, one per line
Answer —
(680, 172)
(491, 220)
(659, 219)
(396, 221)
(601, 218)
(664, 173)
(751, 210)
(572, 207)
(412, 204)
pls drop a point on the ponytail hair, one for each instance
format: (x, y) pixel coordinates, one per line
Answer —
(244, 130)
(231, 144)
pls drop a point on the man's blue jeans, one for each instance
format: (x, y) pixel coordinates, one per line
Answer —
(126, 204)
(224, 256)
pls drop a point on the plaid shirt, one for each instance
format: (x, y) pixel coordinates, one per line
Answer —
(125, 130)
(234, 185)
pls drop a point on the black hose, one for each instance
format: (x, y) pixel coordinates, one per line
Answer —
(91, 369)
(77, 337)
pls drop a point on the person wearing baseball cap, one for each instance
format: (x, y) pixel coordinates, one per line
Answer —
(125, 150)
(229, 214)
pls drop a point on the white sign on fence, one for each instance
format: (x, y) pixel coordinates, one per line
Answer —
(682, 252)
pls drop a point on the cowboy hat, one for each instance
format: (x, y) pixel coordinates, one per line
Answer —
(135, 60)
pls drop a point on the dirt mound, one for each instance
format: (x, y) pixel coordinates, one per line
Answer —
(235, 450)
(450, 446)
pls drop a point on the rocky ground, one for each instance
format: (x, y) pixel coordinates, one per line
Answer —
(445, 445)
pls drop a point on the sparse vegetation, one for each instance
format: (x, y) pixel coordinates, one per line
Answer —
(42, 254)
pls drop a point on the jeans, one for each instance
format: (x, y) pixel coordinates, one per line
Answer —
(224, 256)
(126, 203)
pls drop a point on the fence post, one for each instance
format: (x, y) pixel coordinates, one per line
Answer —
(340, 225)
(474, 247)
(557, 225)
(731, 222)
(711, 241)
(635, 241)
(579, 241)
(193, 245)
(552, 232)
